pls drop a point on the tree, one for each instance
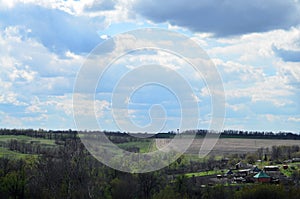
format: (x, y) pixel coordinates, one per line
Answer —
(167, 193)
(124, 187)
(13, 184)
(261, 192)
(148, 182)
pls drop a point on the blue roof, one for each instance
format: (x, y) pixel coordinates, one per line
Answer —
(261, 174)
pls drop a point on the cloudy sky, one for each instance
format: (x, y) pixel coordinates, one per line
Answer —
(255, 45)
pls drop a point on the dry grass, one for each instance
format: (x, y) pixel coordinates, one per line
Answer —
(233, 145)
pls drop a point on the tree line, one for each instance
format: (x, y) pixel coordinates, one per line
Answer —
(126, 137)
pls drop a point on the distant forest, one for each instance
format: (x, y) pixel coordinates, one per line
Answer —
(64, 134)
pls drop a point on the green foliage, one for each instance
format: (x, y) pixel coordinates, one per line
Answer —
(296, 176)
(217, 192)
(294, 193)
(167, 193)
(251, 158)
(284, 152)
(261, 192)
(13, 182)
(181, 184)
(124, 187)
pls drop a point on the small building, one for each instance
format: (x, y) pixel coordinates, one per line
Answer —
(296, 160)
(262, 177)
(274, 171)
(271, 168)
(244, 172)
(239, 180)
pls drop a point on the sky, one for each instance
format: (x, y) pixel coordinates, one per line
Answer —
(255, 46)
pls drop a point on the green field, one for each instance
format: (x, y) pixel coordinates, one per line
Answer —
(13, 154)
(27, 139)
(6, 152)
(144, 146)
(203, 173)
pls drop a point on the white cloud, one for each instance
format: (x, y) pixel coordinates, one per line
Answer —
(289, 72)
(36, 66)
(30, 76)
(105, 37)
(251, 47)
(242, 72)
(85, 106)
(269, 90)
(22, 74)
(9, 121)
(250, 68)
(38, 119)
(112, 11)
(9, 97)
(294, 119)
(236, 107)
(36, 106)
(272, 118)
(72, 7)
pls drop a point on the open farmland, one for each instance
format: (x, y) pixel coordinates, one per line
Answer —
(233, 145)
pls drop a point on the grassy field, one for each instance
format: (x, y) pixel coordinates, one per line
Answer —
(233, 145)
(13, 154)
(292, 166)
(144, 146)
(6, 152)
(223, 146)
(27, 139)
(203, 173)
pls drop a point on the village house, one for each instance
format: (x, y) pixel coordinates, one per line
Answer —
(273, 171)
(262, 177)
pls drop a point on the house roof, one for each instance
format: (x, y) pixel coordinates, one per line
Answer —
(271, 168)
(261, 174)
(244, 170)
(255, 169)
(229, 172)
